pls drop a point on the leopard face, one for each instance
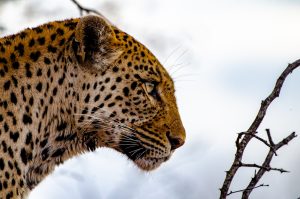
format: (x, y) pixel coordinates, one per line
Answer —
(133, 108)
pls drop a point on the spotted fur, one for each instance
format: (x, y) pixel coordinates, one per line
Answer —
(72, 86)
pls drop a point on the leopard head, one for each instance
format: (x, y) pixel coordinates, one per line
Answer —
(126, 99)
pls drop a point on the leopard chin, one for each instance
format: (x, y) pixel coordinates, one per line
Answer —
(150, 163)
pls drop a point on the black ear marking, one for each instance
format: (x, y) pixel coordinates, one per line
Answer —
(95, 43)
(92, 37)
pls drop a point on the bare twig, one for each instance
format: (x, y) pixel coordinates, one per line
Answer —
(1, 28)
(241, 145)
(83, 9)
(261, 185)
(270, 137)
(266, 165)
(262, 140)
(264, 168)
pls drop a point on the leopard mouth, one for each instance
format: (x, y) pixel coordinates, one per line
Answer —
(133, 148)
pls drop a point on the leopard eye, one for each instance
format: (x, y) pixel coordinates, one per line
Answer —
(149, 87)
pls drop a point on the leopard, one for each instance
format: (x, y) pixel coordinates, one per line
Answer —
(72, 86)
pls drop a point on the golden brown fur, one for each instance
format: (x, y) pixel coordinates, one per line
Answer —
(71, 86)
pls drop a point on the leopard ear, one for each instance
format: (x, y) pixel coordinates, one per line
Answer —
(96, 45)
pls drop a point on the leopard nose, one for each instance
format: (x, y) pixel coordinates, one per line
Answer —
(175, 142)
(176, 136)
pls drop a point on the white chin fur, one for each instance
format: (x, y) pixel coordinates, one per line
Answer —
(148, 163)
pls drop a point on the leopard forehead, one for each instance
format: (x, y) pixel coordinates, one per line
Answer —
(71, 86)
(121, 85)
(139, 58)
(140, 61)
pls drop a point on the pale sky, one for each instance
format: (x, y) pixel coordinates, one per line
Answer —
(225, 57)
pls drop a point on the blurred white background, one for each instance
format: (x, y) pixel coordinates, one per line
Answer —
(225, 57)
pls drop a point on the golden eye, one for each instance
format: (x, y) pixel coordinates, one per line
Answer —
(149, 87)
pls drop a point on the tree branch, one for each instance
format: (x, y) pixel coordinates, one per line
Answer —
(266, 165)
(263, 167)
(83, 9)
(1, 29)
(262, 140)
(261, 185)
(248, 135)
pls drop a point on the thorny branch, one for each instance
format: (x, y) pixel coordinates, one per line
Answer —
(266, 164)
(268, 168)
(258, 138)
(244, 138)
(261, 185)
